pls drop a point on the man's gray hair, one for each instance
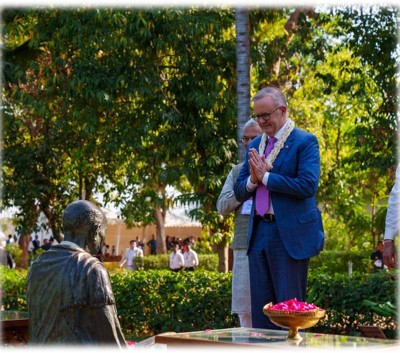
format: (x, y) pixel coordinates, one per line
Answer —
(250, 123)
(276, 95)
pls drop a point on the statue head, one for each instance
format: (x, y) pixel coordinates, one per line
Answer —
(85, 225)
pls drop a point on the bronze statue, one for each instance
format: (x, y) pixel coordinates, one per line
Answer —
(70, 299)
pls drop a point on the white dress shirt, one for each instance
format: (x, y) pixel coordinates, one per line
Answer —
(130, 254)
(176, 260)
(392, 225)
(250, 186)
(191, 258)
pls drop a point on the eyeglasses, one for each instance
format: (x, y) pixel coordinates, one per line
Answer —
(264, 116)
(248, 138)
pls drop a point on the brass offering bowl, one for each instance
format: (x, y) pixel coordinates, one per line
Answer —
(294, 320)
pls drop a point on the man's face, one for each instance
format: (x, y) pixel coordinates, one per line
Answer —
(275, 121)
(250, 133)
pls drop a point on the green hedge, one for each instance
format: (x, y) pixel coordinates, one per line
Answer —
(151, 302)
(156, 301)
(332, 262)
(342, 297)
(328, 261)
(13, 289)
(160, 262)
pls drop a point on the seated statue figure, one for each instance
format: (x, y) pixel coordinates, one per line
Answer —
(69, 294)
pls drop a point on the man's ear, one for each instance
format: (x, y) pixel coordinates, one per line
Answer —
(283, 109)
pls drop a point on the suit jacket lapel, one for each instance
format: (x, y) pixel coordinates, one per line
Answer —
(283, 152)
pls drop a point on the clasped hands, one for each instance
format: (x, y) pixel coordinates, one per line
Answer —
(258, 166)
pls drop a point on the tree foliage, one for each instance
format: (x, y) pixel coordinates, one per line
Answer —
(127, 102)
(347, 98)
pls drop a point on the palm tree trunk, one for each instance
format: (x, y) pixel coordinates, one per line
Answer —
(243, 74)
(160, 231)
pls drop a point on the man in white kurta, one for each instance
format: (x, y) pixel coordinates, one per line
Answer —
(226, 204)
(129, 256)
(190, 256)
(176, 259)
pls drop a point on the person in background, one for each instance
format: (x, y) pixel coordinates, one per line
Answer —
(129, 256)
(139, 243)
(53, 241)
(281, 172)
(190, 256)
(153, 245)
(6, 258)
(226, 204)
(168, 243)
(377, 257)
(46, 244)
(31, 247)
(176, 259)
(36, 243)
(104, 249)
(392, 223)
(107, 253)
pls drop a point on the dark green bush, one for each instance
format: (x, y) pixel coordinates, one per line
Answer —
(342, 297)
(151, 302)
(332, 262)
(13, 289)
(155, 301)
(16, 253)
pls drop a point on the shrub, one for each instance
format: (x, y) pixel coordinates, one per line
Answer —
(332, 262)
(13, 289)
(342, 297)
(16, 253)
(161, 262)
(156, 301)
(208, 262)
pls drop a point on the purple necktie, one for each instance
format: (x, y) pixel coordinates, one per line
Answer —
(262, 194)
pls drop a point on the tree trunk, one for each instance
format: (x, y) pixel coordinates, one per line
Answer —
(23, 243)
(243, 74)
(160, 231)
(54, 220)
(291, 27)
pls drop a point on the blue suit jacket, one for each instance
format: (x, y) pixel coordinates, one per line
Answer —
(293, 183)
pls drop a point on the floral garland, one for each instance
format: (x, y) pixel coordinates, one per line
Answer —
(278, 145)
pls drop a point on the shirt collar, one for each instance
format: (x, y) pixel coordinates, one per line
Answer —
(278, 135)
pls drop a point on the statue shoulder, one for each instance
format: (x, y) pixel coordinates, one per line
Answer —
(88, 283)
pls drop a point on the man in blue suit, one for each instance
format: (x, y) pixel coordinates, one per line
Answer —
(285, 227)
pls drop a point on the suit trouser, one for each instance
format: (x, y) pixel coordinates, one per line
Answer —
(274, 275)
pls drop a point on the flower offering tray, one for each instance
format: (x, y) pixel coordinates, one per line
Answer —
(293, 320)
